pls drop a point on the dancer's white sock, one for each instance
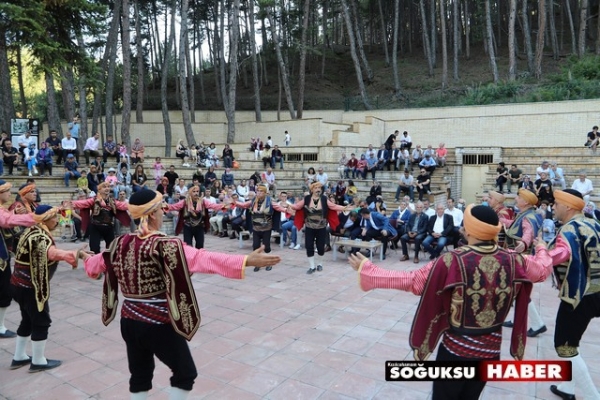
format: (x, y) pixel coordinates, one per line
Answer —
(582, 379)
(535, 320)
(38, 348)
(20, 348)
(311, 262)
(178, 394)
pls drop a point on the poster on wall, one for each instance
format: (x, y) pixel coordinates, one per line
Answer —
(19, 126)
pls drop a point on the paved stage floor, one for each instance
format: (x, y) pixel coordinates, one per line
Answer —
(281, 334)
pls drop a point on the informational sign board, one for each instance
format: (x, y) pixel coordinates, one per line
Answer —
(19, 126)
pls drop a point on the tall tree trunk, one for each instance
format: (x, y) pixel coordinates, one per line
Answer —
(539, 46)
(282, 66)
(110, 78)
(68, 92)
(397, 88)
(53, 114)
(444, 45)
(359, 42)
(234, 37)
(467, 30)
(164, 80)
(553, 35)
(101, 72)
(7, 111)
(512, 54)
(254, 57)
(141, 73)
(22, 98)
(455, 39)
(126, 50)
(527, 37)
(569, 15)
(433, 36)
(583, 13)
(325, 36)
(384, 40)
(490, 41)
(302, 71)
(598, 32)
(83, 118)
(183, 74)
(426, 42)
(361, 84)
(190, 79)
(201, 71)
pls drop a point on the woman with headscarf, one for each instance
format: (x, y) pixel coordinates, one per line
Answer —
(137, 151)
(44, 159)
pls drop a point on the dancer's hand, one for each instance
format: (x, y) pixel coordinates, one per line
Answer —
(539, 242)
(258, 258)
(355, 260)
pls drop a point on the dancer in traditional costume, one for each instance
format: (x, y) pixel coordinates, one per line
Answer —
(451, 306)
(314, 212)
(36, 261)
(97, 214)
(193, 216)
(160, 311)
(505, 214)
(520, 234)
(262, 213)
(9, 220)
(574, 254)
(24, 203)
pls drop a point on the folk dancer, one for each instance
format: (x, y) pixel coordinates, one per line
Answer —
(520, 233)
(262, 214)
(160, 305)
(451, 307)
(315, 211)
(505, 214)
(97, 213)
(193, 216)
(36, 261)
(9, 220)
(577, 271)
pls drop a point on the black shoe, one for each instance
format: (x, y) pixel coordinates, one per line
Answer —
(269, 268)
(565, 396)
(383, 257)
(43, 367)
(532, 333)
(7, 335)
(310, 271)
(232, 237)
(508, 324)
(256, 269)
(20, 363)
(431, 257)
(319, 267)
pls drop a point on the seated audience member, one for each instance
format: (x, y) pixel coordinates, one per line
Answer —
(405, 141)
(110, 149)
(266, 156)
(406, 184)
(401, 216)
(123, 183)
(71, 171)
(351, 167)
(515, 177)
(526, 183)
(54, 144)
(164, 187)
(349, 227)
(375, 226)
(137, 152)
(592, 139)
(439, 228)
(440, 155)
(457, 218)
(228, 157)
(227, 178)
(557, 176)
(382, 157)
(92, 147)
(423, 184)
(583, 186)
(416, 230)
(276, 157)
(428, 163)
(181, 151)
(501, 176)
(139, 179)
(543, 188)
(417, 155)
(374, 192)
(10, 156)
(371, 165)
(361, 167)
(44, 159)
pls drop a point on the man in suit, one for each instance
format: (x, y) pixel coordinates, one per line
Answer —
(382, 157)
(416, 229)
(394, 154)
(376, 226)
(439, 228)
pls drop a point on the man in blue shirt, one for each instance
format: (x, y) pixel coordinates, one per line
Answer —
(428, 163)
(71, 169)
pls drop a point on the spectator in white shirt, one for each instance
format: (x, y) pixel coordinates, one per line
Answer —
(322, 177)
(181, 188)
(69, 146)
(405, 141)
(91, 147)
(583, 186)
(457, 216)
(24, 141)
(557, 176)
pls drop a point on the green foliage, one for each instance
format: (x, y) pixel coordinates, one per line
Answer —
(503, 92)
(586, 68)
